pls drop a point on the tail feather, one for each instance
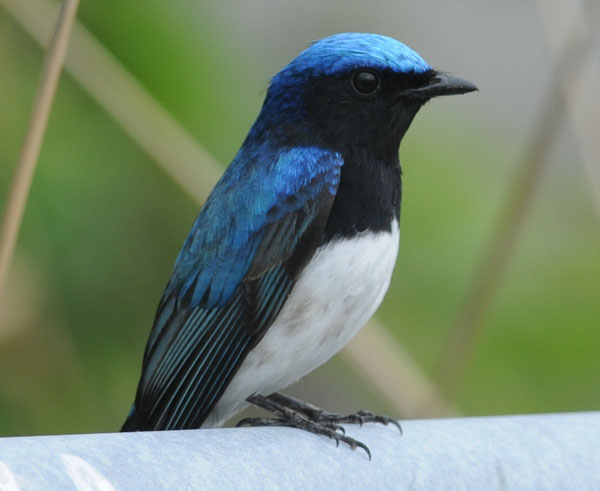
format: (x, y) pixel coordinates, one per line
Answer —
(132, 423)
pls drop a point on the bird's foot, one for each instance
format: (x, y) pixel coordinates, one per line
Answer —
(328, 430)
(319, 415)
(298, 414)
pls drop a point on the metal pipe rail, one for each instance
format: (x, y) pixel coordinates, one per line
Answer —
(552, 451)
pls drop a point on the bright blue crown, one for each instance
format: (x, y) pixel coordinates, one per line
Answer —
(346, 51)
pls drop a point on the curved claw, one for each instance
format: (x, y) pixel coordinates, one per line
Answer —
(376, 418)
(354, 444)
(397, 425)
(366, 449)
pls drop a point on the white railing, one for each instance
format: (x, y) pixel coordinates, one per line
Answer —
(553, 452)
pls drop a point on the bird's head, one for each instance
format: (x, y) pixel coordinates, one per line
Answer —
(353, 88)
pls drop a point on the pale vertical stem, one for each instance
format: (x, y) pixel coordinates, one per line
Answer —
(21, 183)
(465, 332)
(582, 98)
(386, 366)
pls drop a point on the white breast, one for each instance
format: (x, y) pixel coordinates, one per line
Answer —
(336, 294)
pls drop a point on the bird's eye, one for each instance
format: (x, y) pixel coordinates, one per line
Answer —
(365, 83)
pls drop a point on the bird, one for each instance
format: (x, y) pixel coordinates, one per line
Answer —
(293, 250)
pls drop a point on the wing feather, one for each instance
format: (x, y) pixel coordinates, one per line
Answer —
(229, 284)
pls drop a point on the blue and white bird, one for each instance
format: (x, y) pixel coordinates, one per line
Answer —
(295, 247)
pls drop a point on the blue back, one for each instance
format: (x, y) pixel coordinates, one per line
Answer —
(259, 188)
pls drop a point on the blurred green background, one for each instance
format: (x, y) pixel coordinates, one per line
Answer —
(104, 223)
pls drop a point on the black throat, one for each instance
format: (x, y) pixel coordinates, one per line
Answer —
(368, 197)
(365, 130)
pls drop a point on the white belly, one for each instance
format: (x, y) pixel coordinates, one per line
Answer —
(334, 297)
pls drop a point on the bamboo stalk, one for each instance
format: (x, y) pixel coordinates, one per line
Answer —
(30, 150)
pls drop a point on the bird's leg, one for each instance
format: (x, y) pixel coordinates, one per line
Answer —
(318, 415)
(297, 418)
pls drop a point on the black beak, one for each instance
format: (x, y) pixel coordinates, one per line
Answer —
(442, 84)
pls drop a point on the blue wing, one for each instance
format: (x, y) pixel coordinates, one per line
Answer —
(261, 224)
